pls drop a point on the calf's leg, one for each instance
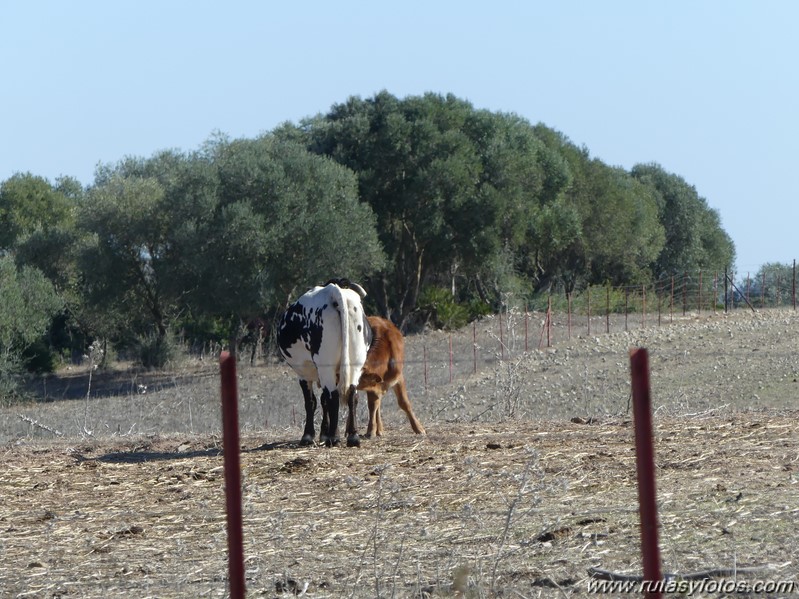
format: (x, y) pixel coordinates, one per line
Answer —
(375, 420)
(402, 400)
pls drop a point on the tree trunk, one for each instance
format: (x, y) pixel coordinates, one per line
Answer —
(411, 295)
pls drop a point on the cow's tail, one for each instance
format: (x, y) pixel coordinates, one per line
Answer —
(351, 345)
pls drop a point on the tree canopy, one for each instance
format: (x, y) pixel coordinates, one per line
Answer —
(421, 199)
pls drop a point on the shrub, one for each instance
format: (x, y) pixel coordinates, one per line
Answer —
(439, 307)
(10, 378)
(156, 351)
(38, 357)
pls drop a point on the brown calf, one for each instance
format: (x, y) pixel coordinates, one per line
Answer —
(383, 371)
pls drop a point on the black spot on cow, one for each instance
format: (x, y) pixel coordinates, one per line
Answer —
(298, 325)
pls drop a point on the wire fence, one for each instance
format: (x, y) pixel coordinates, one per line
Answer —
(696, 292)
(554, 319)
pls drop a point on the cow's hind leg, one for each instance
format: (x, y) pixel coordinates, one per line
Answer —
(330, 407)
(323, 430)
(402, 400)
(375, 420)
(352, 405)
(310, 411)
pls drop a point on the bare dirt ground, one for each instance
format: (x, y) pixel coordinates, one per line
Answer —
(525, 480)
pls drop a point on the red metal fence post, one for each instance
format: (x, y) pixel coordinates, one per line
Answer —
(671, 301)
(684, 293)
(626, 306)
(230, 432)
(568, 313)
(645, 462)
(657, 299)
(700, 292)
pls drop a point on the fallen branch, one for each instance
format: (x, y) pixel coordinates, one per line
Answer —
(38, 424)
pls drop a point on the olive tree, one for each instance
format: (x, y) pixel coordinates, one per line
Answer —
(28, 303)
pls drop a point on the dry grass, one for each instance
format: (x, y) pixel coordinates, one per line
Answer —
(120, 494)
(518, 509)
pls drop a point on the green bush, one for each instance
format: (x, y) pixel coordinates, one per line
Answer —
(38, 357)
(157, 351)
(616, 301)
(10, 378)
(438, 307)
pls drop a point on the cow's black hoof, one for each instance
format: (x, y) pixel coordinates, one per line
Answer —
(306, 441)
(332, 442)
(353, 441)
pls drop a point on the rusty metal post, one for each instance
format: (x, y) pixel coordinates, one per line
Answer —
(700, 292)
(230, 441)
(684, 293)
(658, 299)
(568, 314)
(626, 306)
(671, 301)
(645, 462)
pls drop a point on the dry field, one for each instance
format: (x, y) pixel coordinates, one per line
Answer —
(525, 480)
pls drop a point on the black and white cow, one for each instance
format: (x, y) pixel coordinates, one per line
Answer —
(324, 336)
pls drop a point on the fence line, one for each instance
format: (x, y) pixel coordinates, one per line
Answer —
(596, 310)
(685, 292)
(551, 319)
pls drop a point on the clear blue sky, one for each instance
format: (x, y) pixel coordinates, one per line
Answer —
(707, 89)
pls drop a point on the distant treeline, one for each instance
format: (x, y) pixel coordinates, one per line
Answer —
(432, 205)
